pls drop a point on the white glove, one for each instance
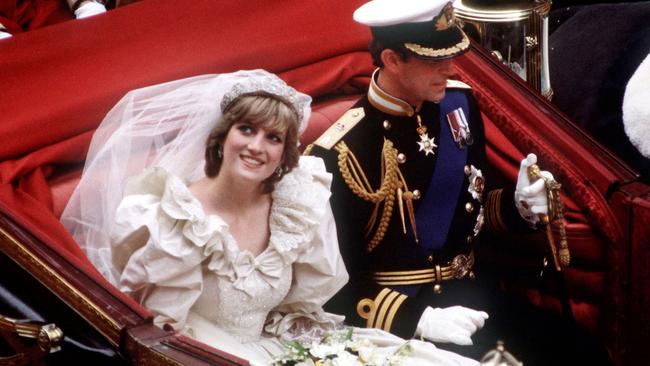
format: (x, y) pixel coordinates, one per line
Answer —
(4, 34)
(531, 199)
(88, 9)
(454, 324)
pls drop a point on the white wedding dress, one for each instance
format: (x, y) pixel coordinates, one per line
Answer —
(186, 268)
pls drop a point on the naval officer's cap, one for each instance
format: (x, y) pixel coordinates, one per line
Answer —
(426, 29)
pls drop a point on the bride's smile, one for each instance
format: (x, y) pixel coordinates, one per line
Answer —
(252, 152)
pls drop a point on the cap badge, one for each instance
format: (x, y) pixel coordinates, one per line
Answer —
(446, 18)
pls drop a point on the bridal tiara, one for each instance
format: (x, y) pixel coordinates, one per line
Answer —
(266, 84)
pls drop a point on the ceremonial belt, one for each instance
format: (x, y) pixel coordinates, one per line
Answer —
(458, 268)
(438, 205)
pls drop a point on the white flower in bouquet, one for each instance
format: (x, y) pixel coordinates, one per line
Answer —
(346, 359)
(340, 348)
(321, 350)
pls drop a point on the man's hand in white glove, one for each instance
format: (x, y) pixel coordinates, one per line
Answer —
(454, 324)
(4, 34)
(531, 199)
(88, 9)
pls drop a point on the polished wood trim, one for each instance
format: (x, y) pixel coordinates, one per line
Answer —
(139, 340)
(98, 306)
(203, 352)
(149, 345)
(45, 274)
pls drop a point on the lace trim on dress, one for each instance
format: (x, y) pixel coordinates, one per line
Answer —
(299, 203)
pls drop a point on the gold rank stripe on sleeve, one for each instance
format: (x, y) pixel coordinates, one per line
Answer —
(342, 126)
(381, 311)
(457, 84)
(493, 217)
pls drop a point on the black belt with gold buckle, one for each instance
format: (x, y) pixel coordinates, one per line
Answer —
(458, 268)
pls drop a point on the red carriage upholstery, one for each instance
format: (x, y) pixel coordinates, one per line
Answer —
(22, 16)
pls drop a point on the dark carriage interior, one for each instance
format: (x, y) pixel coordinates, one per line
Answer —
(608, 204)
(591, 67)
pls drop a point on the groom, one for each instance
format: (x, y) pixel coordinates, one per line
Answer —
(412, 197)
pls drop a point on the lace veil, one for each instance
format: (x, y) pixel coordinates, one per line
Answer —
(164, 125)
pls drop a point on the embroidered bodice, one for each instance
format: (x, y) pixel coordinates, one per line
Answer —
(186, 267)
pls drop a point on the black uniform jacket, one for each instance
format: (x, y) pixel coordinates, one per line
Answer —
(362, 133)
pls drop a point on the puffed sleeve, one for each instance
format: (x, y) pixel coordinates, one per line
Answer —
(318, 269)
(157, 247)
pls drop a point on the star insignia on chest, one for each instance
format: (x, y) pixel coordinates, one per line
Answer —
(427, 144)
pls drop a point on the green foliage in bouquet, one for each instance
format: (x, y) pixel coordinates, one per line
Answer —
(340, 348)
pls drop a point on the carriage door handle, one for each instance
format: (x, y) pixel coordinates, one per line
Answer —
(48, 336)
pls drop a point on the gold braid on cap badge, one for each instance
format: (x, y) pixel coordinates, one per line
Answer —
(433, 52)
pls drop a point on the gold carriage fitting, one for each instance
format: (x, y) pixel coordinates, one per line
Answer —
(515, 31)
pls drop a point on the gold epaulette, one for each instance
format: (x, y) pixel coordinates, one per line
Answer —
(380, 312)
(457, 84)
(342, 126)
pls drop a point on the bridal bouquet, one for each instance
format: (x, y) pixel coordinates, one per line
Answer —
(340, 348)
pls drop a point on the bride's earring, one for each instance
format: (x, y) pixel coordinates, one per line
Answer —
(278, 171)
(220, 152)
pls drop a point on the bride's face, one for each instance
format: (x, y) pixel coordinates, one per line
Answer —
(252, 152)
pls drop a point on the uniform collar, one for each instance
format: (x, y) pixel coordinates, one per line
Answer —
(385, 102)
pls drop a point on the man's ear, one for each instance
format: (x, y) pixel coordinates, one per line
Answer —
(391, 59)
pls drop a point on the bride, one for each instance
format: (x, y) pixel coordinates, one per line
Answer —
(195, 201)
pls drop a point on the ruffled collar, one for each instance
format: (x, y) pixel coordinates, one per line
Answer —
(299, 202)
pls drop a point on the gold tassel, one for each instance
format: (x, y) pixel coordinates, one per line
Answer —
(555, 215)
(565, 256)
(551, 243)
(401, 208)
(408, 197)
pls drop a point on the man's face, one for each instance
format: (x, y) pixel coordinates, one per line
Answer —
(423, 80)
